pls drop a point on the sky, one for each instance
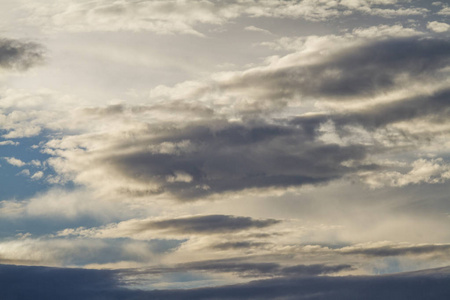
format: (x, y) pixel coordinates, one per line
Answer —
(211, 149)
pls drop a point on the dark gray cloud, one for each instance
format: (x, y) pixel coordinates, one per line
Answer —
(238, 245)
(397, 251)
(235, 157)
(362, 70)
(268, 269)
(435, 108)
(427, 285)
(20, 55)
(224, 156)
(242, 268)
(245, 269)
(193, 160)
(210, 224)
(177, 106)
(40, 283)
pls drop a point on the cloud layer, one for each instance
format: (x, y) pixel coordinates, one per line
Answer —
(209, 149)
(45, 283)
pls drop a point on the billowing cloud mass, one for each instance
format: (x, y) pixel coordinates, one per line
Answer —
(209, 149)
(215, 155)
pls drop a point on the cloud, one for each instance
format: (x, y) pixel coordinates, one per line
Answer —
(428, 171)
(9, 143)
(431, 108)
(24, 172)
(313, 47)
(257, 29)
(215, 157)
(280, 150)
(211, 224)
(41, 113)
(14, 161)
(60, 204)
(81, 252)
(385, 31)
(445, 11)
(238, 245)
(438, 26)
(179, 17)
(19, 55)
(227, 136)
(52, 283)
(432, 285)
(398, 250)
(314, 270)
(242, 269)
(193, 225)
(38, 175)
(362, 70)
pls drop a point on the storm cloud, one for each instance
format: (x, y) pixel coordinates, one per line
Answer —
(25, 282)
(242, 268)
(184, 18)
(432, 285)
(208, 224)
(385, 251)
(19, 55)
(366, 69)
(201, 160)
(38, 283)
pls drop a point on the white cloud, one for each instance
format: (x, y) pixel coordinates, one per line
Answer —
(438, 26)
(35, 162)
(385, 31)
(423, 171)
(257, 29)
(444, 11)
(11, 143)
(14, 161)
(313, 44)
(168, 17)
(180, 177)
(76, 252)
(24, 172)
(38, 175)
(70, 205)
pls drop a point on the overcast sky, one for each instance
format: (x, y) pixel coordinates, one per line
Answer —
(225, 149)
